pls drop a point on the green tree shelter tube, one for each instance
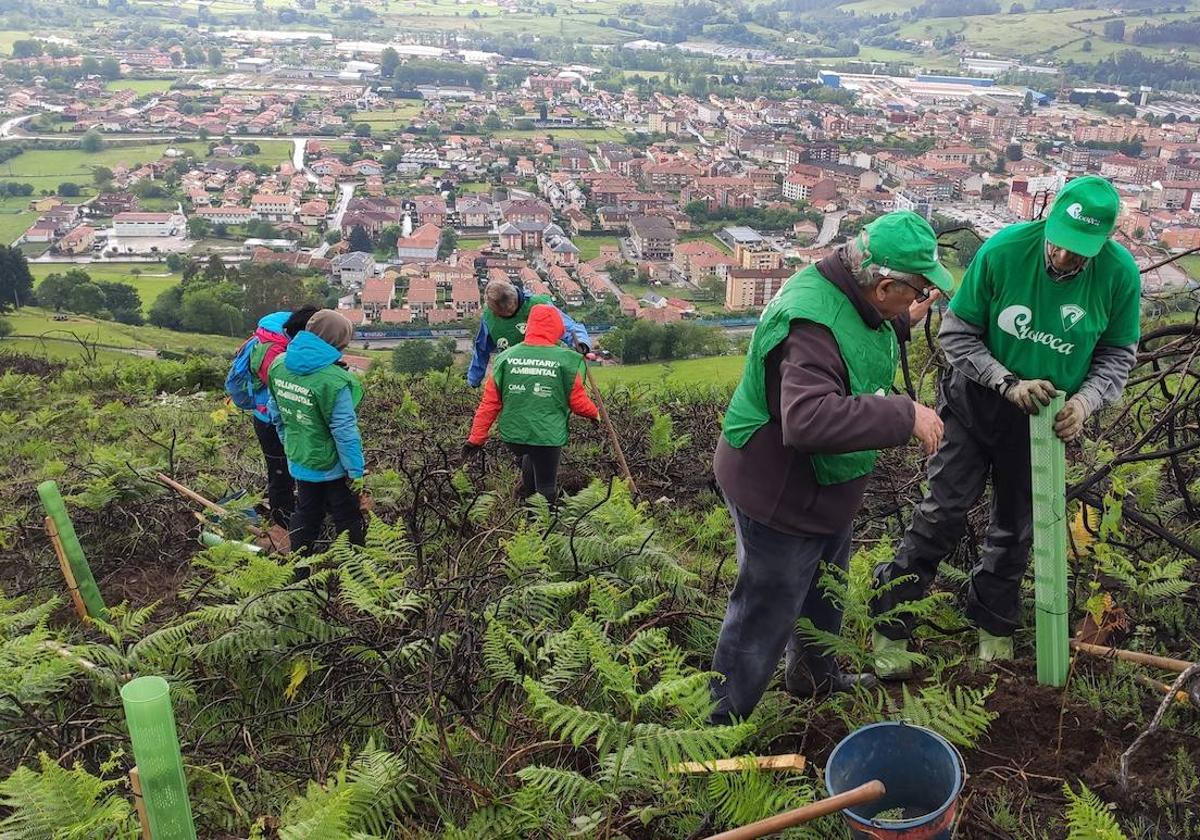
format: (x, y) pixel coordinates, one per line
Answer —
(56, 509)
(1048, 462)
(147, 702)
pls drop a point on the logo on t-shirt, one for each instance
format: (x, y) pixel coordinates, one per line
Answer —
(1015, 321)
(1072, 314)
(502, 343)
(1075, 211)
(521, 328)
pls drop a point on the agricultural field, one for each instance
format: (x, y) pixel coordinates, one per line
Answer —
(47, 168)
(32, 322)
(590, 135)
(142, 86)
(150, 279)
(15, 218)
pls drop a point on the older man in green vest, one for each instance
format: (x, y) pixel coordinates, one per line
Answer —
(799, 443)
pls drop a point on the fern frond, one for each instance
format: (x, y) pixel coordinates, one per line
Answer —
(58, 803)
(1088, 817)
(958, 714)
(569, 789)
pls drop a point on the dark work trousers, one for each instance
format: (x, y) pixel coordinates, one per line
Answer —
(986, 435)
(539, 469)
(777, 584)
(316, 498)
(281, 489)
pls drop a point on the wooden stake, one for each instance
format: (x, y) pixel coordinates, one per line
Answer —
(860, 795)
(790, 761)
(1164, 662)
(612, 432)
(1181, 697)
(189, 493)
(135, 782)
(68, 575)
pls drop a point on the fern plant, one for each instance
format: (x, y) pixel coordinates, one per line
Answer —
(57, 804)
(957, 713)
(1089, 817)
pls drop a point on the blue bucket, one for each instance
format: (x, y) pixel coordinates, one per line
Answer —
(921, 770)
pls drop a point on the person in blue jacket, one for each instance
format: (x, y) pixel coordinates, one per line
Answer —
(313, 405)
(505, 312)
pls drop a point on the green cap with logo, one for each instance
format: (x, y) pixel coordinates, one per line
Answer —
(1083, 216)
(904, 241)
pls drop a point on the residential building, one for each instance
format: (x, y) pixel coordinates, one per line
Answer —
(653, 237)
(78, 240)
(353, 269)
(224, 215)
(758, 255)
(421, 245)
(422, 295)
(464, 296)
(750, 288)
(377, 293)
(274, 208)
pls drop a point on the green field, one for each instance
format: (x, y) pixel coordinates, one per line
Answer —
(1191, 265)
(474, 187)
(47, 168)
(142, 86)
(7, 37)
(32, 322)
(15, 218)
(589, 246)
(472, 243)
(153, 280)
(593, 135)
(718, 370)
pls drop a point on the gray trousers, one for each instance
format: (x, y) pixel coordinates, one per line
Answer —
(986, 435)
(776, 585)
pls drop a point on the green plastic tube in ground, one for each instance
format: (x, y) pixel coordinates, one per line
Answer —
(208, 539)
(1048, 467)
(56, 509)
(147, 702)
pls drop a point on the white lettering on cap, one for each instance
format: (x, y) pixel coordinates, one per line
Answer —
(1075, 211)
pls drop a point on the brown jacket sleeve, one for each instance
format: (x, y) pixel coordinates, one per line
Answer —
(816, 411)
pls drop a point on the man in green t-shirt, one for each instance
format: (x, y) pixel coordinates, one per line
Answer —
(1045, 306)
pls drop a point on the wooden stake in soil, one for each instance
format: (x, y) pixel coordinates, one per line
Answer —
(612, 432)
(1048, 468)
(139, 802)
(65, 565)
(1136, 656)
(790, 761)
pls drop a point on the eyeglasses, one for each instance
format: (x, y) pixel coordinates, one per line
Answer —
(922, 295)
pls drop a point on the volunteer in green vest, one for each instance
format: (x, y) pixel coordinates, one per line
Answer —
(506, 309)
(533, 388)
(799, 444)
(1045, 306)
(313, 404)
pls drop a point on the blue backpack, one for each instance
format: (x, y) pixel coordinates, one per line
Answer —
(239, 382)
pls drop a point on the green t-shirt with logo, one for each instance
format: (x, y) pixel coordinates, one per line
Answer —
(535, 383)
(1040, 328)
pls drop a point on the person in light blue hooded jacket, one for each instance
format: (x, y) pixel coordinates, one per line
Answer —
(313, 405)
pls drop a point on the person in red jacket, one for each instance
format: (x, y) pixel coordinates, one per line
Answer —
(533, 388)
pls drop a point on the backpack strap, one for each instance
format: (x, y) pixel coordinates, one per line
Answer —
(274, 348)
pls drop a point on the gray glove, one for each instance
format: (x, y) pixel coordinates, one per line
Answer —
(1030, 394)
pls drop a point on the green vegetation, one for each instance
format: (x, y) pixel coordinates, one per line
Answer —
(150, 279)
(1191, 265)
(142, 86)
(32, 322)
(15, 218)
(589, 246)
(718, 370)
(47, 168)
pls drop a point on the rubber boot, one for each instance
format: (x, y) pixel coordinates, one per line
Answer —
(994, 648)
(887, 664)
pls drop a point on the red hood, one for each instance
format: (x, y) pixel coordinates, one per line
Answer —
(544, 326)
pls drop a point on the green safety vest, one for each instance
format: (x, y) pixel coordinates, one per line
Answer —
(534, 382)
(870, 356)
(306, 403)
(510, 331)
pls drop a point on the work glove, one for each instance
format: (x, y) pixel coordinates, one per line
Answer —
(469, 450)
(1068, 423)
(1030, 394)
(357, 485)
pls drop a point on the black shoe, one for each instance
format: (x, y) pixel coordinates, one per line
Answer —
(835, 684)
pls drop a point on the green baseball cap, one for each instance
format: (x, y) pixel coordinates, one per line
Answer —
(1083, 216)
(905, 242)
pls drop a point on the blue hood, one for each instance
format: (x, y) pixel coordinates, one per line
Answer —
(274, 321)
(307, 353)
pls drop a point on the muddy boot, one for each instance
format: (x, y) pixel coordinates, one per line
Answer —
(994, 648)
(890, 660)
